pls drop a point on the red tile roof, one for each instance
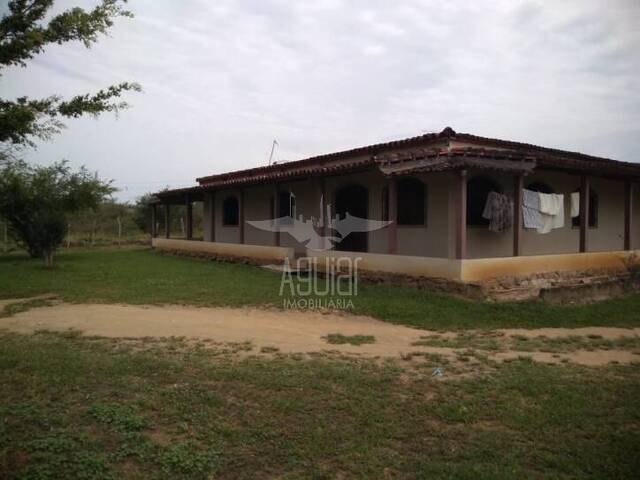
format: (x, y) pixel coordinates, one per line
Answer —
(436, 147)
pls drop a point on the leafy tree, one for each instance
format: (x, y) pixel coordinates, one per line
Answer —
(23, 34)
(36, 201)
(142, 212)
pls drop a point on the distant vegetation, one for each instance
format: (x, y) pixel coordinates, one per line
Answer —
(116, 223)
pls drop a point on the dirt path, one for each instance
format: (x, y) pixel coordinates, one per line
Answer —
(288, 331)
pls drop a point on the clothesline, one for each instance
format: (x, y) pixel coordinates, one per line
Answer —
(541, 212)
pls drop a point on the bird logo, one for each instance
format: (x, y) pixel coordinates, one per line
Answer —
(322, 234)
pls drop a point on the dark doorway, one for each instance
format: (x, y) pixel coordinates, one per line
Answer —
(353, 199)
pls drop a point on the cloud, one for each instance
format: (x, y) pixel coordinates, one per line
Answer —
(223, 79)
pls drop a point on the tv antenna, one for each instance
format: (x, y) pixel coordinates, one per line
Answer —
(273, 147)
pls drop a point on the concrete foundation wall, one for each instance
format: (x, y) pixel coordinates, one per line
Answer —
(397, 264)
(257, 252)
(486, 268)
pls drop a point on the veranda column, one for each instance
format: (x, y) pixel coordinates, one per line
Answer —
(323, 208)
(461, 214)
(392, 202)
(212, 215)
(276, 210)
(241, 215)
(153, 221)
(628, 214)
(517, 214)
(189, 219)
(584, 213)
(167, 220)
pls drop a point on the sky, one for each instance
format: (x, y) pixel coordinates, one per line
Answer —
(222, 79)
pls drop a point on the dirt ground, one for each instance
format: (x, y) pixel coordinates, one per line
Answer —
(297, 332)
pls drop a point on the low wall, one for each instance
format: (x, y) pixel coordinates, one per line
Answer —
(259, 253)
(397, 264)
(470, 270)
(485, 268)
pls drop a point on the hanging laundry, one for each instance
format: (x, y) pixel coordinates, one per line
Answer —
(575, 204)
(551, 211)
(499, 211)
(531, 209)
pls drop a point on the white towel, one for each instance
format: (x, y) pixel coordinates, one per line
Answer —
(551, 212)
(549, 203)
(575, 204)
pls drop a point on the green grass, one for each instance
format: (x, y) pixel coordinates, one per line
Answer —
(143, 276)
(339, 339)
(72, 407)
(495, 341)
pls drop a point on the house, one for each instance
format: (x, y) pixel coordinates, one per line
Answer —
(432, 191)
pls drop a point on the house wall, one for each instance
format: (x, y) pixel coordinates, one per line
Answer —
(257, 206)
(437, 238)
(608, 235)
(635, 223)
(224, 233)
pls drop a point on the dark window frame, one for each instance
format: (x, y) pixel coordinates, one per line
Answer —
(231, 211)
(594, 209)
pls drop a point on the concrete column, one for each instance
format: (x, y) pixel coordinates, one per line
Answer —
(518, 185)
(276, 210)
(212, 215)
(392, 203)
(461, 214)
(189, 218)
(584, 213)
(241, 214)
(154, 233)
(628, 215)
(167, 220)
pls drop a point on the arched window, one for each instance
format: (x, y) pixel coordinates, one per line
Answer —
(411, 205)
(540, 187)
(593, 211)
(478, 189)
(230, 211)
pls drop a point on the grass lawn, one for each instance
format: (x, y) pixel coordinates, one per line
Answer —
(142, 276)
(76, 407)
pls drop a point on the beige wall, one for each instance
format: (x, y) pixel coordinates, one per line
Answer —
(607, 236)
(224, 233)
(437, 237)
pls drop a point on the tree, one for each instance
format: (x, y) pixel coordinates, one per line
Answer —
(23, 34)
(36, 201)
(142, 212)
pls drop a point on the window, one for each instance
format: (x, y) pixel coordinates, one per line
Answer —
(286, 204)
(230, 211)
(411, 202)
(593, 211)
(478, 189)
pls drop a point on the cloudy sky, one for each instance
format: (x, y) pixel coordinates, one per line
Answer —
(223, 78)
